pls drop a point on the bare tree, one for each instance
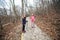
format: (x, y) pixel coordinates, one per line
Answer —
(2, 4)
(22, 7)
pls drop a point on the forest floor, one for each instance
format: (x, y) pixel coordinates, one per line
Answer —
(50, 24)
(45, 28)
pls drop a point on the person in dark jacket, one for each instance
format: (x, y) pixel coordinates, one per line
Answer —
(24, 23)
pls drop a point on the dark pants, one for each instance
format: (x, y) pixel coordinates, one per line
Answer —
(23, 29)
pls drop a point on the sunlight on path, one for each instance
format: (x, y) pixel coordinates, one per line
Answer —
(34, 33)
(22, 36)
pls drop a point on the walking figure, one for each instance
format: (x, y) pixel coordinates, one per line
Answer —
(24, 23)
(32, 20)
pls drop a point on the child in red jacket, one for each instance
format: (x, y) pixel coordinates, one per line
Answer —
(32, 20)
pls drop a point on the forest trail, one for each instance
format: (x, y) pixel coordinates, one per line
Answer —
(34, 33)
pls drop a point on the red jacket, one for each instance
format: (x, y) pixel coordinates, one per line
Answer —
(32, 18)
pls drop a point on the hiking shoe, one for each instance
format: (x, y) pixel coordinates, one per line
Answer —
(24, 31)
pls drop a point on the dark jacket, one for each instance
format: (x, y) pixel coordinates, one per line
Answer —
(24, 20)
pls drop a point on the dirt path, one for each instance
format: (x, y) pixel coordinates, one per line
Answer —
(34, 33)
